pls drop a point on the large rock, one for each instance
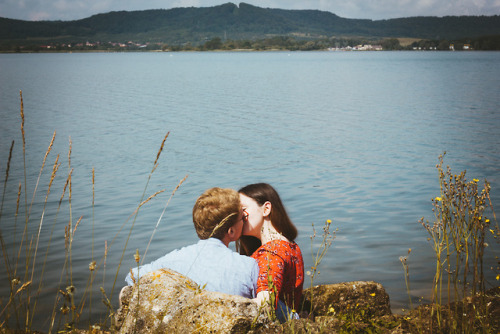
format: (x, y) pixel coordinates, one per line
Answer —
(165, 301)
(334, 299)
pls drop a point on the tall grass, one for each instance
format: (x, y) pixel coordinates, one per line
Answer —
(458, 238)
(25, 260)
(327, 238)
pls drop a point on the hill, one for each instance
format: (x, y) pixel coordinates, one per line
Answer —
(179, 26)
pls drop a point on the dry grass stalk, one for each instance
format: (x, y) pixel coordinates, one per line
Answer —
(104, 261)
(41, 170)
(151, 197)
(161, 148)
(5, 184)
(65, 186)
(18, 198)
(159, 219)
(132, 276)
(23, 287)
(76, 225)
(93, 263)
(69, 166)
(180, 183)
(8, 164)
(22, 120)
(53, 175)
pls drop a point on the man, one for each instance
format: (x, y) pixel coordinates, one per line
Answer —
(218, 220)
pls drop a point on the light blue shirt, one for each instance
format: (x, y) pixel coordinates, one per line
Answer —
(209, 262)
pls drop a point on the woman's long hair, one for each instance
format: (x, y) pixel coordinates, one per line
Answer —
(262, 193)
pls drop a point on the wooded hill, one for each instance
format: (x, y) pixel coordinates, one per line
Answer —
(231, 22)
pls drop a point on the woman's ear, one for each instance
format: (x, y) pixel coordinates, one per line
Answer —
(267, 209)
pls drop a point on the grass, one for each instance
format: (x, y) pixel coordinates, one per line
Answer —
(458, 236)
(25, 262)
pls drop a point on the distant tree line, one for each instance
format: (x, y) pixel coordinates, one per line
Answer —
(273, 43)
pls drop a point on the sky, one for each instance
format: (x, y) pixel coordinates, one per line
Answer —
(36, 10)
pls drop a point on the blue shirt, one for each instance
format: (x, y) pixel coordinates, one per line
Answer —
(209, 262)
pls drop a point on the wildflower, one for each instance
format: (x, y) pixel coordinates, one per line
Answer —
(498, 277)
(308, 273)
(487, 220)
(328, 221)
(492, 232)
(331, 310)
(438, 199)
(475, 180)
(372, 294)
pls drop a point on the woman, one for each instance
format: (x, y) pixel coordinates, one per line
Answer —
(268, 236)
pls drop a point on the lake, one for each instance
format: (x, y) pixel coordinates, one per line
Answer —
(349, 136)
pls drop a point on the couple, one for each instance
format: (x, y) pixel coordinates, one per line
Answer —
(270, 260)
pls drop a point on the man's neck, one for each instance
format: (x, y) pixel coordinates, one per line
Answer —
(226, 240)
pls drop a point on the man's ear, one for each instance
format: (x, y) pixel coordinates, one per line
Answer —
(267, 209)
(231, 232)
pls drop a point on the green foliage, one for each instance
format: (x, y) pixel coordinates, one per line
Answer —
(391, 44)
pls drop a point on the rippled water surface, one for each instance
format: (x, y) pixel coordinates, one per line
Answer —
(351, 137)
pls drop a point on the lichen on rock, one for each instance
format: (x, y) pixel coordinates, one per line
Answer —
(166, 301)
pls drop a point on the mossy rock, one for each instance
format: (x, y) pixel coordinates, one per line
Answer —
(370, 298)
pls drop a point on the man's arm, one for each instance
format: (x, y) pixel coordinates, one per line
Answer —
(160, 263)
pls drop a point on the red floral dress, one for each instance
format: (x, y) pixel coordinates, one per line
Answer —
(281, 260)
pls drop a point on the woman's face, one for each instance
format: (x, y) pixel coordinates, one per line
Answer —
(254, 216)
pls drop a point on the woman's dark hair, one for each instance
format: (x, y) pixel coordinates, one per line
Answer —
(262, 193)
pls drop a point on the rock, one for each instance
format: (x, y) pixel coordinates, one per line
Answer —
(166, 301)
(332, 299)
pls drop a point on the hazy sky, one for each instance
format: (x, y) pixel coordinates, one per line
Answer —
(359, 9)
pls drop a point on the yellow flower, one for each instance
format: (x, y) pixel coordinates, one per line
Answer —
(487, 220)
(331, 310)
(328, 221)
(492, 232)
(475, 180)
(372, 294)
(438, 199)
(498, 277)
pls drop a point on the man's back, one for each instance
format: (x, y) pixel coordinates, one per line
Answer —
(210, 262)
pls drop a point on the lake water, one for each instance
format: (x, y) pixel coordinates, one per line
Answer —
(349, 136)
